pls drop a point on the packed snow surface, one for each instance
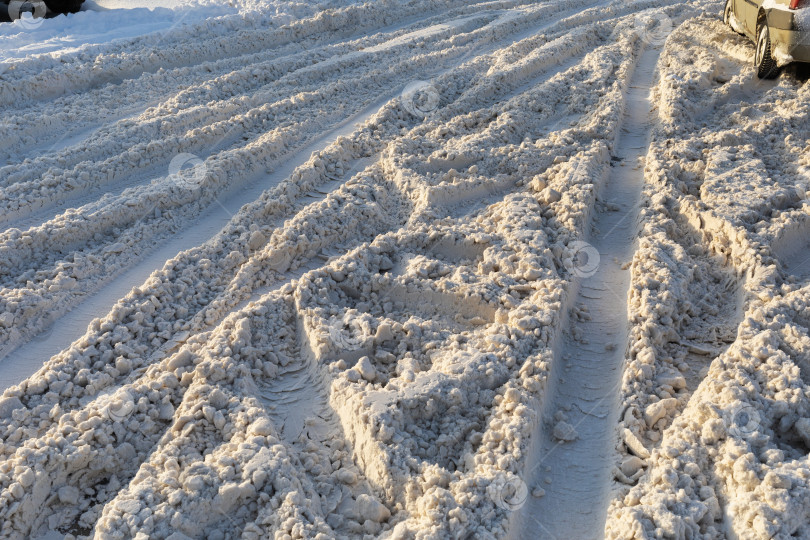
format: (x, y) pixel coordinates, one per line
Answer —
(425, 269)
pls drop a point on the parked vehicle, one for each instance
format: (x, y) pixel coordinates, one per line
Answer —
(64, 6)
(13, 9)
(779, 28)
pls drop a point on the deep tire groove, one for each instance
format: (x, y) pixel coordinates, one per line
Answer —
(584, 385)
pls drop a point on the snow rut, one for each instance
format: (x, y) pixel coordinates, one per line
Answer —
(128, 222)
(573, 459)
(362, 347)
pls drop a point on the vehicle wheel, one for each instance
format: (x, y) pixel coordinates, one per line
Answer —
(64, 6)
(727, 13)
(763, 61)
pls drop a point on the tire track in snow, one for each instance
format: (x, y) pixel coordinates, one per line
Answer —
(25, 360)
(211, 130)
(67, 118)
(583, 393)
(186, 120)
(450, 432)
(189, 114)
(102, 300)
(212, 40)
(150, 354)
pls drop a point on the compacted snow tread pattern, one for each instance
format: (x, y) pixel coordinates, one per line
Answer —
(467, 277)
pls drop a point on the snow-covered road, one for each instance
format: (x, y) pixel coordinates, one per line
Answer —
(408, 270)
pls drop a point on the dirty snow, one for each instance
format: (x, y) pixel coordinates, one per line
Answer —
(404, 270)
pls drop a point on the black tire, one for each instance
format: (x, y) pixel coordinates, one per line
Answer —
(64, 6)
(763, 60)
(727, 13)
